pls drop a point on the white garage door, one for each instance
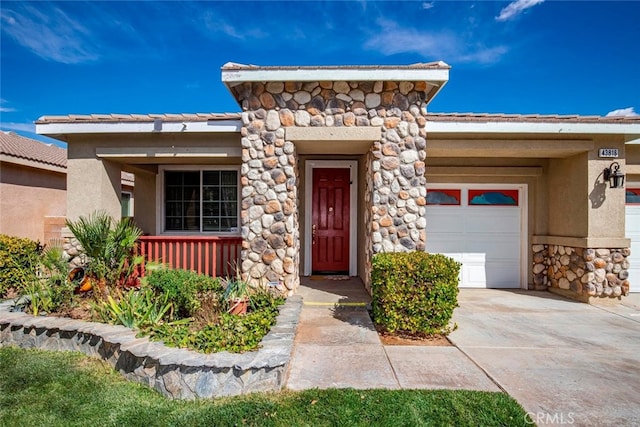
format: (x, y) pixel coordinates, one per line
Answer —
(632, 226)
(481, 227)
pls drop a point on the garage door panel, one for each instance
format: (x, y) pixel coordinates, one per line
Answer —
(444, 222)
(492, 223)
(501, 274)
(495, 246)
(485, 239)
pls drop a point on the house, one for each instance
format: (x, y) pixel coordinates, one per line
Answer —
(327, 166)
(32, 188)
(33, 183)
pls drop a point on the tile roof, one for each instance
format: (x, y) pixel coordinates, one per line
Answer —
(119, 118)
(524, 118)
(434, 117)
(17, 146)
(230, 66)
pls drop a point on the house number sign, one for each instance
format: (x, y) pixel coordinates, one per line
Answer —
(608, 153)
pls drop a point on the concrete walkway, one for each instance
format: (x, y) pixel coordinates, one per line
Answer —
(567, 363)
(337, 346)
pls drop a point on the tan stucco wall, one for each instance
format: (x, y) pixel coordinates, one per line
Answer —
(568, 191)
(144, 193)
(581, 203)
(606, 219)
(93, 184)
(27, 196)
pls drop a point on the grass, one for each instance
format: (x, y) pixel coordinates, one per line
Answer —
(40, 388)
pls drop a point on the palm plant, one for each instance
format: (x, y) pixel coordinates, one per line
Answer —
(108, 245)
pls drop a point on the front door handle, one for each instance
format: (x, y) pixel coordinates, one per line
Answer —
(313, 234)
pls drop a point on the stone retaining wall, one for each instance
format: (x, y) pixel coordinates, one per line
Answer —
(176, 373)
(587, 272)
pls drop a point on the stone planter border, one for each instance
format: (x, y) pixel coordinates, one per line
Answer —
(176, 373)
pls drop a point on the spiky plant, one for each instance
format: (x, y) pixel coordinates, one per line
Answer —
(108, 244)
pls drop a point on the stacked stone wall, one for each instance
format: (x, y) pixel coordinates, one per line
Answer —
(395, 168)
(587, 272)
(175, 372)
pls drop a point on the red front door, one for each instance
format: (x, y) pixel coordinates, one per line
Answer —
(330, 220)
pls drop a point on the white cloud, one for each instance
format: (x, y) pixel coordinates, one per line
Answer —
(515, 8)
(5, 109)
(21, 127)
(623, 112)
(428, 5)
(216, 23)
(49, 33)
(394, 39)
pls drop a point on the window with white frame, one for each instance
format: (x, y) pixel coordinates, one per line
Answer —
(201, 200)
(126, 199)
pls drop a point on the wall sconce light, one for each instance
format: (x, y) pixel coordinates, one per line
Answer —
(614, 176)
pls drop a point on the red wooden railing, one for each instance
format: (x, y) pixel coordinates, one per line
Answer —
(210, 255)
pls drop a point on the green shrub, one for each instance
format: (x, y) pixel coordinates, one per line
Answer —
(182, 288)
(17, 255)
(232, 333)
(414, 293)
(45, 282)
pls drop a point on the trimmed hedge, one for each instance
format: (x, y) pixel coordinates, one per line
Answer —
(414, 293)
(17, 255)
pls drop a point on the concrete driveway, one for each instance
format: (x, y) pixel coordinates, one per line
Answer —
(567, 363)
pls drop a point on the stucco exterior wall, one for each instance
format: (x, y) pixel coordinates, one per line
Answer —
(145, 212)
(27, 196)
(568, 190)
(606, 205)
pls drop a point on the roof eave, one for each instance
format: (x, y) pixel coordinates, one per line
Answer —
(435, 75)
(631, 130)
(58, 130)
(32, 163)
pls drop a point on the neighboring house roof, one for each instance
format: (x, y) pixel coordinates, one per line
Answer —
(17, 149)
(29, 152)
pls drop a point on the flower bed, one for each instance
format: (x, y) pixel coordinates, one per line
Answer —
(176, 373)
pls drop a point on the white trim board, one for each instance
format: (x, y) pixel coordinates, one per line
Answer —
(212, 126)
(353, 210)
(435, 127)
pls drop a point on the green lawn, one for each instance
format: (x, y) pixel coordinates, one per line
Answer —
(39, 388)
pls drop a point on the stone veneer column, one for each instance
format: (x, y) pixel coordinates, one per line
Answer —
(269, 216)
(395, 168)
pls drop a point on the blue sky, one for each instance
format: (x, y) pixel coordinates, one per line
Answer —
(527, 56)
